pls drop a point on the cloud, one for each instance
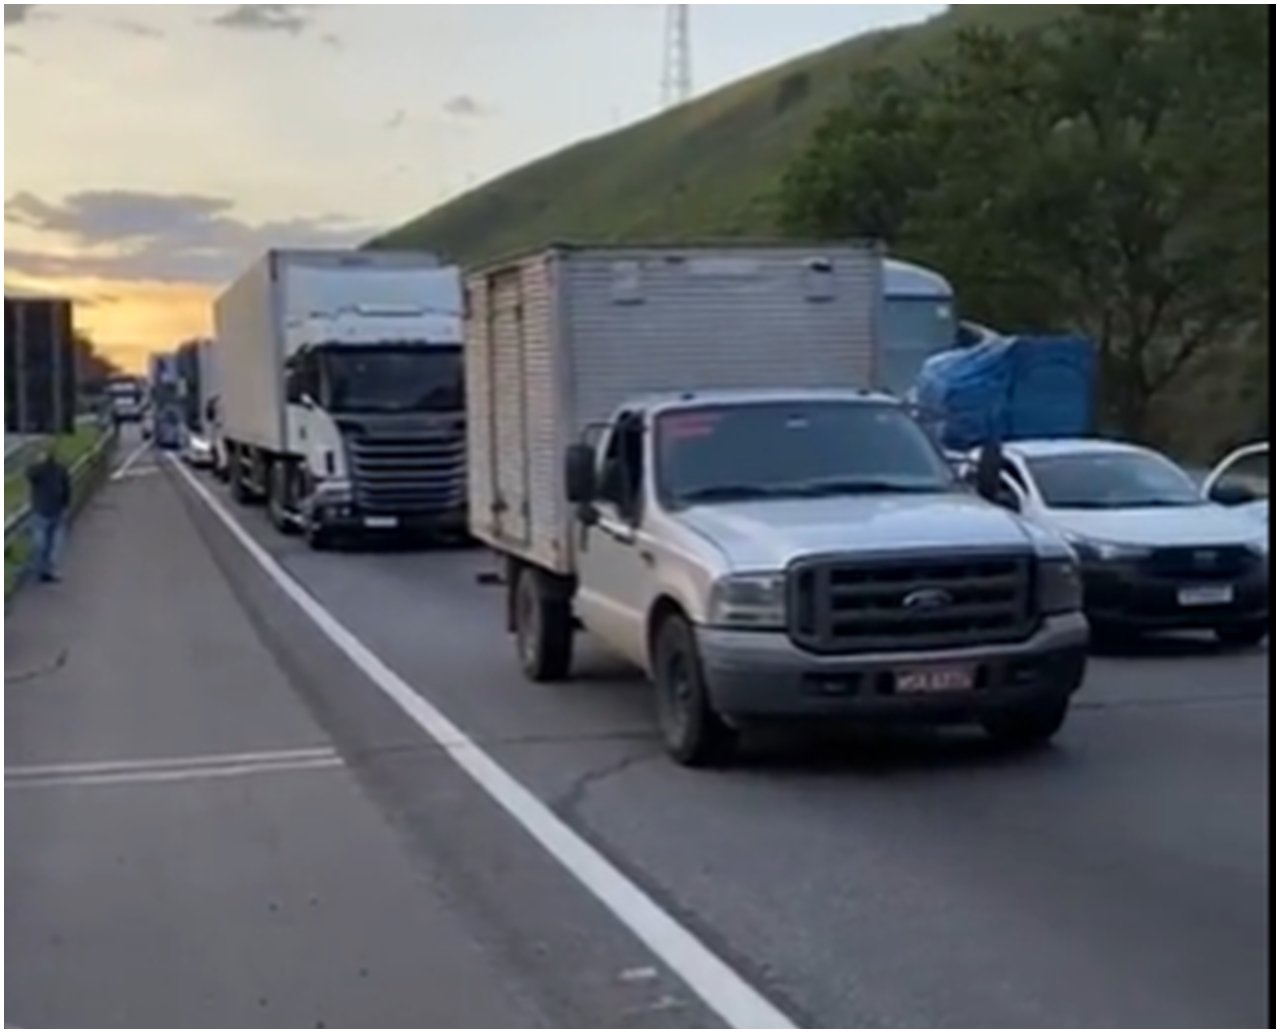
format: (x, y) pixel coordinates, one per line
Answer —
(133, 28)
(332, 40)
(134, 235)
(291, 18)
(396, 120)
(13, 50)
(465, 106)
(16, 14)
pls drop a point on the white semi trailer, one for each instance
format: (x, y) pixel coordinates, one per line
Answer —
(341, 400)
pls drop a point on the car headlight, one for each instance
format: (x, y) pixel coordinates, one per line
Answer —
(1058, 587)
(756, 601)
(1106, 552)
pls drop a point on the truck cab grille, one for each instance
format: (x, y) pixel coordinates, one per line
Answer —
(409, 473)
(901, 602)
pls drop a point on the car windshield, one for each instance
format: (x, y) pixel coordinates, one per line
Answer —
(392, 379)
(1111, 480)
(725, 453)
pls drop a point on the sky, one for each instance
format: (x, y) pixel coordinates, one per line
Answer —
(152, 151)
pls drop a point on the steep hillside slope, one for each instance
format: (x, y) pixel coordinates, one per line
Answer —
(708, 169)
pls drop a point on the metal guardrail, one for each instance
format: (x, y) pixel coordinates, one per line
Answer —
(87, 473)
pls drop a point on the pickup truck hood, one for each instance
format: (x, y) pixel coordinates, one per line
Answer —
(769, 534)
(1209, 524)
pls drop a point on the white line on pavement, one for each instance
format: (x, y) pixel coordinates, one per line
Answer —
(721, 988)
(206, 760)
(130, 459)
(191, 774)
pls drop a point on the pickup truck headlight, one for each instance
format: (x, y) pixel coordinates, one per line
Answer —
(755, 601)
(1058, 586)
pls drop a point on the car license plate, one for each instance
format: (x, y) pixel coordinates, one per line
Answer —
(1206, 595)
(380, 522)
(934, 679)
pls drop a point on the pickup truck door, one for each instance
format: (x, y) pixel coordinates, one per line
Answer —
(614, 564)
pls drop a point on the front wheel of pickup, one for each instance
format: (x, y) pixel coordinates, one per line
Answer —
(543, 626)
(694, 734)
(1028, 725)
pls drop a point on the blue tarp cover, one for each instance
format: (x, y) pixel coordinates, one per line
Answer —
(1011, 388)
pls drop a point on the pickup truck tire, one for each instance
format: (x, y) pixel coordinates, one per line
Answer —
(1243, 635)
(694, 734)
(1028, 725)
(543, 626)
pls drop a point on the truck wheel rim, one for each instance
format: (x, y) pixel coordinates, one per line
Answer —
(677, 696)
(526, 624)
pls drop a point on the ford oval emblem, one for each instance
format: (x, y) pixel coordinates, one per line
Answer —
(927, 599)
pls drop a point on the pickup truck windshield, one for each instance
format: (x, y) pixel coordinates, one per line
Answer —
(793, 450)
(1111, 480)
(392, 378)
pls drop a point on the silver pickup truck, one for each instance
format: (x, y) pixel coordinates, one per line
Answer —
(763, 554)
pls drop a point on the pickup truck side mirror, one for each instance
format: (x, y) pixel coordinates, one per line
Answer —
(1008, 498)
(580, 474)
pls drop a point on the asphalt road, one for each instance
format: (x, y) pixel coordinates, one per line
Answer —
(1119, 878)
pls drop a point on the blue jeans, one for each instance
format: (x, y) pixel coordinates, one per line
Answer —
(48, 543)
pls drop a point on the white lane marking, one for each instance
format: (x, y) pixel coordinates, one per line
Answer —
(132, 458)
(140, 471)
(722, 989)
(205, 760)
(195, 774)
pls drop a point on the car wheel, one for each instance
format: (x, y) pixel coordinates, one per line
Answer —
(1027, 725)
(1243, 635)
(693, 733)
(544, 628)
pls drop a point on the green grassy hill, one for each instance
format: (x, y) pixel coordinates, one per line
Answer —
(708, 169)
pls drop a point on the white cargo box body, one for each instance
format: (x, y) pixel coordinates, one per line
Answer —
(251, 316)
(557, 340)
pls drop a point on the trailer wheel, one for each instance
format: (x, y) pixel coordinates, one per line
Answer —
(543, 626)
(240, 492)
(278, 497)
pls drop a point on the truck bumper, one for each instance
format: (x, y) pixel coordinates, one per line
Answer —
(343, 519)
(764, 675)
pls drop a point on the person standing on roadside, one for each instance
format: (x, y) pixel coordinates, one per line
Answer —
(50, 486)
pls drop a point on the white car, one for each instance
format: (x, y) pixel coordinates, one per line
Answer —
(1155, 552)
(198, 451)
(1242, 481)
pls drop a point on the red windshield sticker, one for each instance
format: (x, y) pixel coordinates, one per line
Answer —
(690, 425)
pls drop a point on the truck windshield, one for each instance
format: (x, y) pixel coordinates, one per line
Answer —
(793, 449)
(392, 378)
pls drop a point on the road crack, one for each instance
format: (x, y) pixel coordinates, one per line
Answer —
(43, 671)
(569, 803)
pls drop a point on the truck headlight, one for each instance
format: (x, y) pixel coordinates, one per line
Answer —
(756, 601)
(1058, 587)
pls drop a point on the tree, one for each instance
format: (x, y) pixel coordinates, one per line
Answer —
(1108, 172)
(92, 367)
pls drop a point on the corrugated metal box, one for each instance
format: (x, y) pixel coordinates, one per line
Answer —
(557, 340)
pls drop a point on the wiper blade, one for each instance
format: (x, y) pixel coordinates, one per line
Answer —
(866, 487)
(728, 493)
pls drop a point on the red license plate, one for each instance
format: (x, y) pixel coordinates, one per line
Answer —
(934, 679)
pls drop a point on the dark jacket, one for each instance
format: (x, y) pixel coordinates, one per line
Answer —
(50, 488)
